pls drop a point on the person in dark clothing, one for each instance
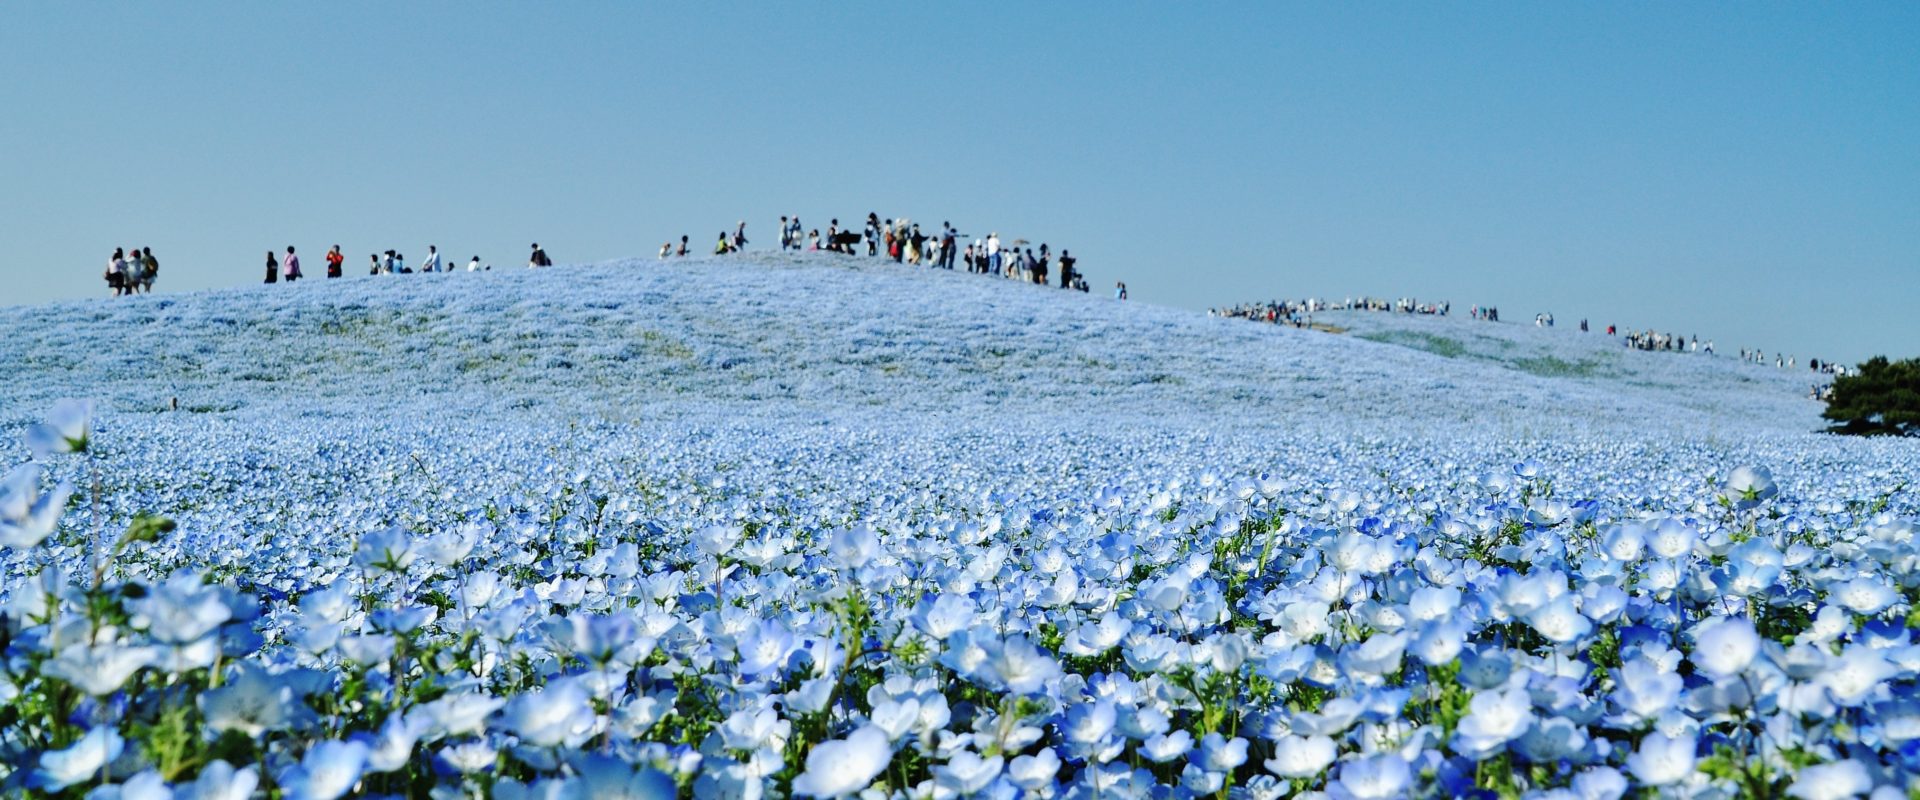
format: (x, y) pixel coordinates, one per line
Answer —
(273, 268)
(539, 257)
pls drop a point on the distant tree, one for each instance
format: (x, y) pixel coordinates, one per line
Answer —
(1881, 398)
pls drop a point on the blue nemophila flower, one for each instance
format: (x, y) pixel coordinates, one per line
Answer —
(765, 649)
(1856, 674)
(68, 429)
(1559, 621)
(717, 540)
(219, 780)
(468, 757)
(1034, 773)
(1301, 757)
(1747, 487)
(182, 609)
(1599, 783)
(1020, 666)
(965, 773)
(603, 776)
(26, 516)
(101, 666)
(1672, 538)
(557, 715)
(1375, 777)
(328, 770)
(388, 550)
(78, 762)
(1552, 740)
(457, 714)
(1663, 760)
(1864, 595)
(1836, 781)
(840, 767)
(1644, 690)
(392, 746)
(147, 785)
(1493, 719)
(1724, 646)
(1161, 748)
(1220, 754)
(251, 702)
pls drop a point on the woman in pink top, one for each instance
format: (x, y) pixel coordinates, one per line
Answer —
(291, 266)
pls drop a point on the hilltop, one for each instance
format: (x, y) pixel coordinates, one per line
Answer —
(818, 336)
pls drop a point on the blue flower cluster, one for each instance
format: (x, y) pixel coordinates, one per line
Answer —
(294, 602)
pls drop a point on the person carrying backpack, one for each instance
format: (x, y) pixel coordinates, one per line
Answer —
(149, 269)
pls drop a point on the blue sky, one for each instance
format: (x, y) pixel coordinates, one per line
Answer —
(1747, 173)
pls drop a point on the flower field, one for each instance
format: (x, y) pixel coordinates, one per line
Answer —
(780, 527)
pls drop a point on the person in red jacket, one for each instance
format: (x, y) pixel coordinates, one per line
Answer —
(334, 262)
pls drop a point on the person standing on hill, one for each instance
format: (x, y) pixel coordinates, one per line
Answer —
(432, 264)
(273, 268)
(292, 266)
(149, 268)
(116, 274)
(474, 265)
(740, 236)
(786, 236)
(683, 245)
(947, 243)
(1120, 290)
(335, 262)
(1066, 269)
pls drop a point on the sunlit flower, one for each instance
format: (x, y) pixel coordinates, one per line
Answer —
(840, 767)
(80, 761)
(68, 429)
(329, 769)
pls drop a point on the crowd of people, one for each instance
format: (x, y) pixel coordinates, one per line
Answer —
(131, 271)
(1297, 313)
(903, 241)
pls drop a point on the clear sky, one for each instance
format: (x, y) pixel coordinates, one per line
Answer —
(1748, 173)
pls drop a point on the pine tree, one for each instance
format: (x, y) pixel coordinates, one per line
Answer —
(1881, 398)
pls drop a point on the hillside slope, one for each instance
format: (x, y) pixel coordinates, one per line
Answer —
(820, 335)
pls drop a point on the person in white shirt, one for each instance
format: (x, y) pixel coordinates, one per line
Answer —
(432, 264)
(474, 265)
